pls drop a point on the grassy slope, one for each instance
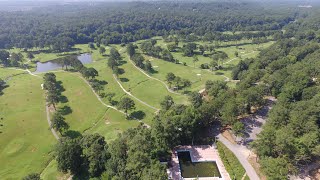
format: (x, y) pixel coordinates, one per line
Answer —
(105, 74)
(162, 67)
(25, 139)
(88, 115)
(7, 73)
(86, 109)
(191, 72)
(146, 89)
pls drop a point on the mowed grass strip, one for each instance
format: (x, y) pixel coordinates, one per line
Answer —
(25, 141)
(105, 74)
(197, 76)
(88, 115)
(86, 110)
(145, 88)
(6, 74)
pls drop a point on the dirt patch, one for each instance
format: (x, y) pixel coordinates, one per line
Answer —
(315, 174)
(79, 93)
(107, 122)
(33, 149)
(227, 134)
(51, 109)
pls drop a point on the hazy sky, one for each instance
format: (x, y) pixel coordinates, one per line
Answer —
(302, 1)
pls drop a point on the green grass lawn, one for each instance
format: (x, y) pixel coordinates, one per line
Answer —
(88, 114)
(197, 76)
(192, 70)
(8, 73)
(105, 74)
(144, 88)
(86, 109)
(51, 172)
(230, 50)
(25, 141)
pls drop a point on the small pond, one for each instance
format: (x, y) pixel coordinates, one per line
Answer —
(50, 65)
(191, 169)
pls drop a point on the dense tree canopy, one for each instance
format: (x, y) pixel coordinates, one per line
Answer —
(107, 23)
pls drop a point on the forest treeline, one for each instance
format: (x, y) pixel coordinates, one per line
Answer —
(290, 71)
(60, 27)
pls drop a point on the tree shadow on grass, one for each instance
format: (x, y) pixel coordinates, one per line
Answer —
(63, 99)
(153, 71)
(219, 73)
(65, 110)
(228, 67)
(73, 134)
(60, 87)
(121, 71)
(124, 79)
(138, 115)
(84, 174)
(122, 62)
(103, 82)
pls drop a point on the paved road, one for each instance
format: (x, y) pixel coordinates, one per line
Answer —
(241, 153)
(253, 125)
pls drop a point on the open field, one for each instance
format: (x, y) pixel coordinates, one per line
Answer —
(245, 50)
(25, 141)
(6, 74)
(146, 89)
(192, 70)
(105, 74)
(85, 108)
(197, 76)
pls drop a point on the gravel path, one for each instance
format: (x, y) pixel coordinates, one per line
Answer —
(49, 122)
(124, 90)
(101, 101)
(150, 77)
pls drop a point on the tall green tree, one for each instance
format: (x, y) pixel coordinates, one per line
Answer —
(32, 176)
(69, 156)
(114, 53)
(30, 55)
(58, 123)
(194, 60)
(95, 153)
(148, 66)
(53, 98)
(275, 168)
(102, 50)
(170, 78)
(130, 49)
(195, 99)
(167, 103)
(126, 104)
